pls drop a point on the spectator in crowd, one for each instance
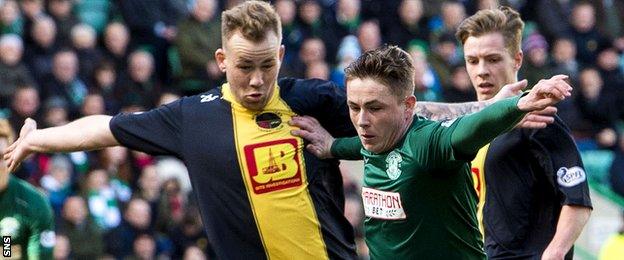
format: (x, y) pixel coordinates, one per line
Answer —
(564, 59)
(444, 56)
(102, 203)
(57, 181)
(426, 80)
(55, 111)
(585, 33)
(10, 18)
(38, 54)
(461, 89)
(83, 41)
(149, 189)
(120, 240)
(61, 12)
(93, 104)
(293, 36)
(347, 17)
(62, 248)
(197, 40)
(189, 233)
(85, 238)
(369, 35)
(316, 24)
(317, 70)
(116, 45)
(554, 18)
(607, 63)
(64, 81)
(312, 50)
(24, 104)
(13, 72)
(143, 248)
(451, 15)
(31, 11)
(105, 81)
(194, 253)
(139, 85)
(173, 205)
(411, 24)
(536, 65)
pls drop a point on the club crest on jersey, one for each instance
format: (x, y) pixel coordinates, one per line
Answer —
(268, 120)
(568, 177)
(393, 165)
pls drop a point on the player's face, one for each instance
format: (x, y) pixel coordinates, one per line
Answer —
(251, 68)
(379, 117)
(489, 64)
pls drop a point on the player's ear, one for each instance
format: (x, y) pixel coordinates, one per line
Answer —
(410, 104)
(518, 60)
(220, 58)
(282, 51)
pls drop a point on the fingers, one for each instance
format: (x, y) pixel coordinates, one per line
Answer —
(29, 125)
(518, 86)
(305, 134)
(548, 111)
(304, 122)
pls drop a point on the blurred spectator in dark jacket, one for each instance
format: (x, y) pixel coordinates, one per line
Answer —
(143, 248)
(347, 17)
(11, 20)
(152, 24)
(120, 240)
(608, 63)
(64, 81)
(312, 51)
(410, 24)
(317, 70)
(25, 103)
(585, 33)
(189, 233)
(13, 72)
(38, 55)
(553, 17)
(198, 38)
(84, 236)
(318, 24)
(291, 30)
(93, 105)
(138, 86)
(105, 81)
(84, 39)
(444, 57)
(452, 13)
(536, 65)
(564, 59)
(61, 12)
(149, 189)
(461, 89)
(31, 11)
(116, 40)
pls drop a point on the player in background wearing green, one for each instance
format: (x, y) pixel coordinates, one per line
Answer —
(25, 214)
(418, 196)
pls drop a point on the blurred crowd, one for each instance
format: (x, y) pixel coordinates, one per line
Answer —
(64, 59)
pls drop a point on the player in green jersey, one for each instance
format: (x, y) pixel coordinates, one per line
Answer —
(418, 196)
(26, 219)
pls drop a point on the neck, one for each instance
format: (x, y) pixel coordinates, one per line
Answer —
(4, 181)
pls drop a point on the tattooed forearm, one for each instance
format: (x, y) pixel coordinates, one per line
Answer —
(446, 111)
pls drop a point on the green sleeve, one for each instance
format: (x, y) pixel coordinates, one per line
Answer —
(478, 129)
(42, 238)
(347, 148)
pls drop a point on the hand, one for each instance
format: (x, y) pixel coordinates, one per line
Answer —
(538, 119)
(510, 90)
(311, 130)
(546, 93)
(18, 151)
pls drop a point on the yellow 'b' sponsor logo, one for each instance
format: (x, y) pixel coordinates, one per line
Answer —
(273, 165)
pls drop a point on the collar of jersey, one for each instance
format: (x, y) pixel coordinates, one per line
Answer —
(226, 91)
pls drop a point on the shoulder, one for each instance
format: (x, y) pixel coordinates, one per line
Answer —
(35, 200)
(288, 85)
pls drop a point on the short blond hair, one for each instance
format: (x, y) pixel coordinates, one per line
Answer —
(504, 20)
(6, 131)
(252, 19)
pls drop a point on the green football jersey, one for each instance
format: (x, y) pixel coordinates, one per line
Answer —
(26, 217)
(418, 199)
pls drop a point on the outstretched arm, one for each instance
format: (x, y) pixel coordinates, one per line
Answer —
(572, 219)
(88, 133)
(447, 111)
(322, 144)
(478, 129)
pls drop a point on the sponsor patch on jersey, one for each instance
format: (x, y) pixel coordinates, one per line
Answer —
(568, 177)
(273, 165)
(382, 204)
(48, 238)
(393, 165)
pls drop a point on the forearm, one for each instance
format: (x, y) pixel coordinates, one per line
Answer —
(446, 111)
(477, 129)
(88, 133)
(572, 219)
(347, 148)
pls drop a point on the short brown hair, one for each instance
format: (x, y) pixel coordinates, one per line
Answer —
(389, 65)
(6, 131)
(253, 19)
(504, 20)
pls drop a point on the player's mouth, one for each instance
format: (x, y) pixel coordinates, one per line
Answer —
(367, 138)
(485, 88)
(254, 97)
